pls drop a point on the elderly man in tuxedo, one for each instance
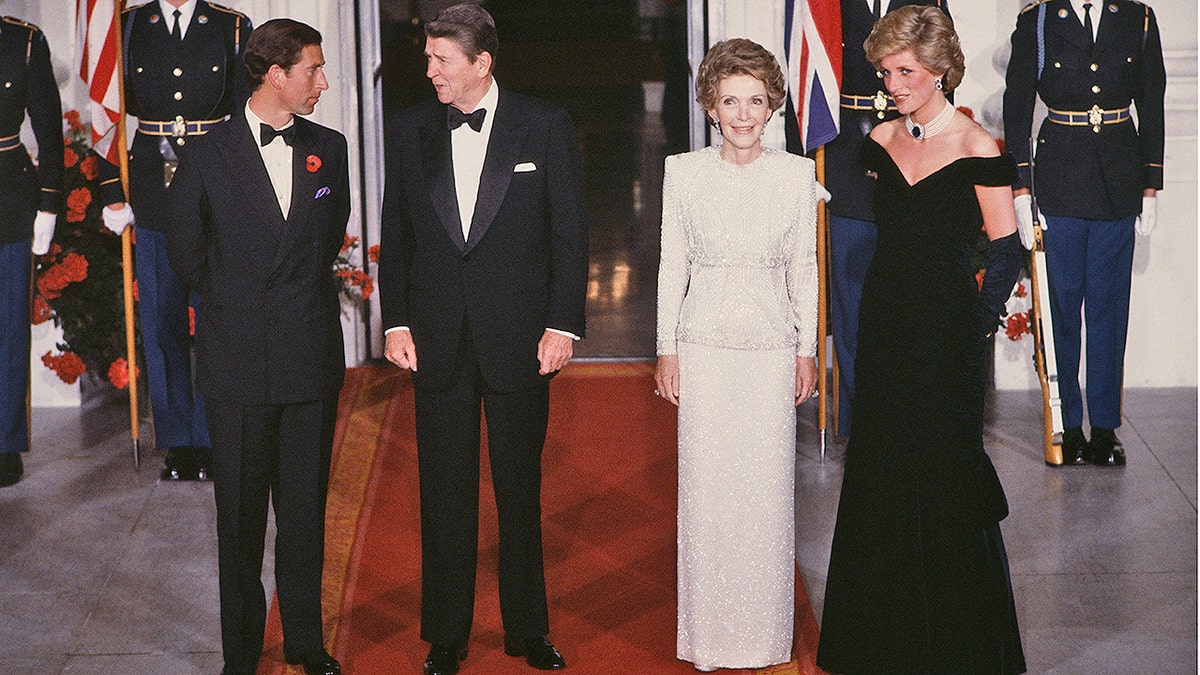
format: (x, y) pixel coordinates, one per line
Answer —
(259, 212)
(483, 275)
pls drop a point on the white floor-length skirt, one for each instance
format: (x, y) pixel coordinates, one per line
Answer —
(737, 455)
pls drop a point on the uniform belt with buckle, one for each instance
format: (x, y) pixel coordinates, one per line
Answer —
(177, 127)
(1088, 118)
(10, 142)
(880, 103)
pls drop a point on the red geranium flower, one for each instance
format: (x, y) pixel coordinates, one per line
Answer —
(347, 242)
(77, 204)
(118, 373)
(1021, 292)
(89, 168)
(373, 253)
(72, 118)
(69, 157)
(41, 311)
(67, 365)
(1017, 325)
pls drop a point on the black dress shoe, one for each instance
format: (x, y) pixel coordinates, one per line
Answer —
(185, 463)
(11, 468)
(1105, 448)
(1074, 447)
(538, 652)
(443, 660)
(317, 663)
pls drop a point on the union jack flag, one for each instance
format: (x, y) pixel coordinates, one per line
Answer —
(813, 40)
(96, 26)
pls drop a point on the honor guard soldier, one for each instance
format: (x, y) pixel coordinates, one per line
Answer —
(30, 200)
(183, 75)
(1096, 180)
(864, 103)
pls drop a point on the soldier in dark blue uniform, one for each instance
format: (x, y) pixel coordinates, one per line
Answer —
(1097, 177)
(30, 200)
(864, 104)
(183, 75)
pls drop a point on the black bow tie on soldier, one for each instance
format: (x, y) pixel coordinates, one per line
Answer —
(455, 118)
(267, 133)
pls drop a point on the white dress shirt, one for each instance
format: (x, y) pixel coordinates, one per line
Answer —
(468, 149)
(1097, 13)
(186, 10)
(277, 156)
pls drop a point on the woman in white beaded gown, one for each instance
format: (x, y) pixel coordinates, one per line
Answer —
(737, 317)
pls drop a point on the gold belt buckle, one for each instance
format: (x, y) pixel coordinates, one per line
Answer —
(178, 127)
(1095, 118)
(880, 102)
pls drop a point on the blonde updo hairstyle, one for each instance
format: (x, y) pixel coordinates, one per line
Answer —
(928, 32)
(739, 56)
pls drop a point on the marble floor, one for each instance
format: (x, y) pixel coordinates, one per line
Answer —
(108, 570)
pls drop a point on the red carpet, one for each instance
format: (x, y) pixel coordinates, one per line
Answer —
(608, 498)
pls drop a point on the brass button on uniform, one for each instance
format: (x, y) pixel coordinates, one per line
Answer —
(216, 68)
(1094, 67)
(1058, 64)
(1095, 89)
(179, 71)
(179, 96)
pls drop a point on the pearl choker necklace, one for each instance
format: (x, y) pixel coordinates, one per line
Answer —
(933, 127)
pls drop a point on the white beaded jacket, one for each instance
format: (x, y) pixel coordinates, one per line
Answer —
(738, 265)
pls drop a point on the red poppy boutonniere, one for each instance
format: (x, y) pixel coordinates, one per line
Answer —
(312, 163)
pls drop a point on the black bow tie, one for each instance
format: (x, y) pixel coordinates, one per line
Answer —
(266, 134)
(455, 118)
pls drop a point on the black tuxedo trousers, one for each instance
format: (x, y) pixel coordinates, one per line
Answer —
(448, 438)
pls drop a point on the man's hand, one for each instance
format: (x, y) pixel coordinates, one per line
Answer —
(43, 232)
(1148, 218)
(554, 351)
(1022, 204)
(117, 217)
(806, 378)
(400, 350)
(666, 377)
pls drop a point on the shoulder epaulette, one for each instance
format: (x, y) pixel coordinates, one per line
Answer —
(228, 10)
(24, 24)
(133, 8)
(1032, 5)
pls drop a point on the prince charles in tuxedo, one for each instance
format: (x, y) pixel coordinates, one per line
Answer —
(483, 274)
(259, 210)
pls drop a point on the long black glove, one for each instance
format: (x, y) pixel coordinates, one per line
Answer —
(1003, 266)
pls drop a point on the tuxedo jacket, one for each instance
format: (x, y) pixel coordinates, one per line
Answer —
(524, 266)
(267, 327)
(1080, 172)
(847, 179)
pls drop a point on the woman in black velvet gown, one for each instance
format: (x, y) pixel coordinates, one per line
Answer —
(918, 579)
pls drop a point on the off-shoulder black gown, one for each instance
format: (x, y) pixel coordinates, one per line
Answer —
(918, 578)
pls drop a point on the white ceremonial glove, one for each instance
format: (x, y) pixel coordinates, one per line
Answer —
(1148, 218)
(43, 232)
(823, 194)
(117, 220)
(1025, 220)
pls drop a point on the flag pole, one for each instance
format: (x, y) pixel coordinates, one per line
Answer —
(127, 244)
(822, 286)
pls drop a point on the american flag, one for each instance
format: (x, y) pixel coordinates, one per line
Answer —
(96, 26)
(813, 39)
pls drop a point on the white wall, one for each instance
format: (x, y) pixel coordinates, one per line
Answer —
(1162, 334)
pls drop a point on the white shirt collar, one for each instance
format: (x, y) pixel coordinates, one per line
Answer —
(254, 120)
(186, 10)
(883, 6)
(488, 102)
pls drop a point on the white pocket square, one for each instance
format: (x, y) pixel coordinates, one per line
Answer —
(524, 166)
